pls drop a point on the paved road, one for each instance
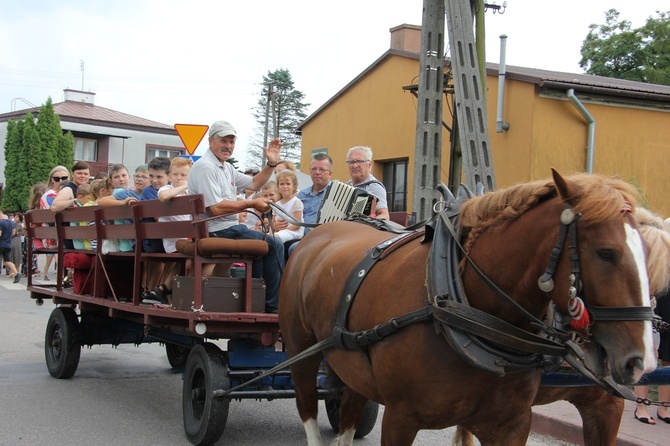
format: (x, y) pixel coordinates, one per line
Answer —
(125, 395)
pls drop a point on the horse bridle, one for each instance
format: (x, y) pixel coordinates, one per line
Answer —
(580, 310)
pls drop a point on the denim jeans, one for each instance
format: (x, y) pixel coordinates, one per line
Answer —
(270, 266)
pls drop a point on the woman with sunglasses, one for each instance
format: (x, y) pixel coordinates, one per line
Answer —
(67, 196)
(57, 175)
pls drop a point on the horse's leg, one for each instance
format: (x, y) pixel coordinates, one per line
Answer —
(352, 407)
(304, 374)
(463, 437)
(601, 415)
(600, 411)
(397, 429)
(513, 432)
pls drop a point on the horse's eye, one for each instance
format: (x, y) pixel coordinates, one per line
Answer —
(607, 255)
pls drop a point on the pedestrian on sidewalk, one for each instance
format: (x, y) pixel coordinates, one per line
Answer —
(7, 231)
(663, 310)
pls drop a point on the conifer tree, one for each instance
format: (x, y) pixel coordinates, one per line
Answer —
(50, 133)
(10, 195)
(286, 114)
(32, 149)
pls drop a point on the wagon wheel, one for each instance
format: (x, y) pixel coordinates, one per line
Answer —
(366, 424)
(205, 416)
(177, 355)
(62, 343)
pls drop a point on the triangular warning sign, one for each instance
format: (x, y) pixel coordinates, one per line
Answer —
(191, 135)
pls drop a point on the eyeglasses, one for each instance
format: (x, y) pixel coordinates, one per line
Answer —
(141, 177)
(57, 179)
(316, 169)
(356, 162)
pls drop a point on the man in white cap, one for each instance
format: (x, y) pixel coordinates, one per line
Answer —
(219, 182)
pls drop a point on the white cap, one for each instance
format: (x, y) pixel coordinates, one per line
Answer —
(222, 128)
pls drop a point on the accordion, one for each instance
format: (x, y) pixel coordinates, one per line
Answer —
(341, 201)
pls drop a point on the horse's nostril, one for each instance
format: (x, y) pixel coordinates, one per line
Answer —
(636, 363)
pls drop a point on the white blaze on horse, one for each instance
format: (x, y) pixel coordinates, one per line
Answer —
(344, 280)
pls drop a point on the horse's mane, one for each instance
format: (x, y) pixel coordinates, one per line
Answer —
(657, 237)
(596, 197)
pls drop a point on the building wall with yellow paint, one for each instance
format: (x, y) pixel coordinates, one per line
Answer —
(546, 131)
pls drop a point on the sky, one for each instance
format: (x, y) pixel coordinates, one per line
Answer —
(200, 61)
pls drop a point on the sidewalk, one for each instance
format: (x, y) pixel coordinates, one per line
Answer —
(561, 420)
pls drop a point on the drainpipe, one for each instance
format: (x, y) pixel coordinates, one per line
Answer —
(500, 125)
(590, 145)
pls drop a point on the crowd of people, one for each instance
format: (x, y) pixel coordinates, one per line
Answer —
(240, 199)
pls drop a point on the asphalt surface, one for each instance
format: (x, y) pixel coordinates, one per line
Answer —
(127, 395)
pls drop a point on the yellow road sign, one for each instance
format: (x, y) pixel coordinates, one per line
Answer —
(191, 135)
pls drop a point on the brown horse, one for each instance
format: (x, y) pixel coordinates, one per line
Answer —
(421, 380)
(600, 410)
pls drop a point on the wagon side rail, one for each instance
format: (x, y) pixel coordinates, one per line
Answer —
(113, 280)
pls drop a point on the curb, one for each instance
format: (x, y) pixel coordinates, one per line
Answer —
(571, 431)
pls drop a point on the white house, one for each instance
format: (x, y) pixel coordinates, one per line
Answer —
(103, 137)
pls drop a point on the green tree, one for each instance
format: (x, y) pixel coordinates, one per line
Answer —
(13, 143)
(616, 50)
(66, 149)
(287, 111)
(32, 149)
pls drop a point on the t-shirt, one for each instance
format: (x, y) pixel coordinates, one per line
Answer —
(169, 243)
(312, 203)
(290, 207)
(47, 199)
(6, 226)
(217, 181)
(149, 193)
(375, 187)
(151, 244)
(121, 194)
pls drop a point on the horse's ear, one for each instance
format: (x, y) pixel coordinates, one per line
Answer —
(562, 187)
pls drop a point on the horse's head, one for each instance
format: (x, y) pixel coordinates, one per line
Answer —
(609, 271)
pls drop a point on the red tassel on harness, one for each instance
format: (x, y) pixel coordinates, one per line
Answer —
(579, 314)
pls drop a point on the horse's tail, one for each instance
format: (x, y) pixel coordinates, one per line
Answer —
(463, 437)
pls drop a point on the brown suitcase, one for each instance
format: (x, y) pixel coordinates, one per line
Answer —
(219, 294)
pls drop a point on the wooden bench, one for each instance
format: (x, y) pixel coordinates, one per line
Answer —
(118, 274)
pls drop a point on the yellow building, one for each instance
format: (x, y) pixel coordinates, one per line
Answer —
(630, 128)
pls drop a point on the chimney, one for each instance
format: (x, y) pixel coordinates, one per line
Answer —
(79, 96)
(406, 38)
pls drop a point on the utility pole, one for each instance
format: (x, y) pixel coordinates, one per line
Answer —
(268, 101)
(470, 156)
(428, 143)
(81, 66)
(470, 96)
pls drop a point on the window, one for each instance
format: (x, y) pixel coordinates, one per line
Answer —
(85, 149)
(395, 181)
(154, 152)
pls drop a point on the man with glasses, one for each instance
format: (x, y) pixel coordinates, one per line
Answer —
(359, 161)
(311, 197)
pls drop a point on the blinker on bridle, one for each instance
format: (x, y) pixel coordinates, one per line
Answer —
(580, 312)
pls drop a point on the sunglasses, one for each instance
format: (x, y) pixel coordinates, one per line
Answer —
(57, 179)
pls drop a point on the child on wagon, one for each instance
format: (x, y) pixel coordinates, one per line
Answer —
(287, 183)
(177, 177)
